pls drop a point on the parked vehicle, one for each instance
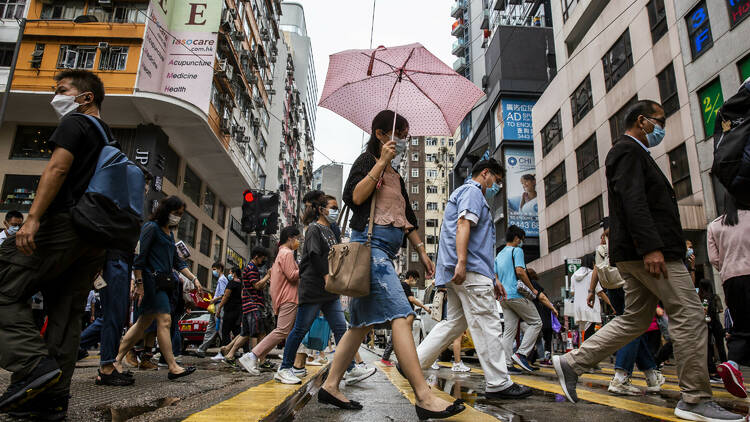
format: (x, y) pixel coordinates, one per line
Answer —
(193, 327)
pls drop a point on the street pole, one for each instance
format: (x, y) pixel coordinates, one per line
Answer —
(4, 105)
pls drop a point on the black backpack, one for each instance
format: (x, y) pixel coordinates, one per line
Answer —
(732, 145)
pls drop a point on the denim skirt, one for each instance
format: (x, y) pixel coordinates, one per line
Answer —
(386, 300)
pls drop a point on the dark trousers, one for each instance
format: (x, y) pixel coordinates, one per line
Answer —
(230, 324)
(388, 348)
(63, 267)
(737, 294)
(115, 298)
(92, 335)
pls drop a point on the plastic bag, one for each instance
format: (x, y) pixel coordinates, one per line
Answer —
(319, 334)
(556, 326)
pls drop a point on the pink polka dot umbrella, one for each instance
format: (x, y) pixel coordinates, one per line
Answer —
(407, 79)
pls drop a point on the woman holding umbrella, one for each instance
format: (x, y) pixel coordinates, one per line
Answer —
(373, 178)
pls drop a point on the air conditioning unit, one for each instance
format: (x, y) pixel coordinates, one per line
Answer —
(36, 59)
(105, 4)
(103, 45)
(252, 79)
(221, 68)
(258, 102)
(255, 121)
(224, 124)
(229, 71)
(246, 139)
(236, 35)
(271, 91)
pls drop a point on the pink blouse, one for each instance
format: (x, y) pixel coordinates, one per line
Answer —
(390, 205)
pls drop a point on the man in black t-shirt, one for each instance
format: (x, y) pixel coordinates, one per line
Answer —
(48, 254)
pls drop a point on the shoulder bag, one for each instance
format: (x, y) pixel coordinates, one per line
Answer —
(609, 277)
(521, 287)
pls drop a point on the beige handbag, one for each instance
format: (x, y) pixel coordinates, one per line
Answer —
(609, 277)
(349, 263)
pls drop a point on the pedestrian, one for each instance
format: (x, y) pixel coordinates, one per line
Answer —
(12, 222)
(713, 310)
(284, 283)
(155, 283)
(458, 365)
(410, 280)
(50, 255)
(647, 247)
(587, 316)
(728, 251)
(466, 269)
(212, 332)
(231, 309)
(510, 270)
(547, 311)
(373, 178)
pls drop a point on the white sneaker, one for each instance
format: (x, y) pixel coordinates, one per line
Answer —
(314, 362)
(286, 376)
(250, 363)
(460, 367)
(654, 381)
(435, 366)
(623, 388)
(219, 357)
(299, 373)
(358, 373)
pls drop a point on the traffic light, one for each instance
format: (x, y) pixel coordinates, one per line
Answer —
(249, 210)
(268, 217)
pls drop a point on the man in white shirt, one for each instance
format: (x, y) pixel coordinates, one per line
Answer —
(12, 222)
(212, 333)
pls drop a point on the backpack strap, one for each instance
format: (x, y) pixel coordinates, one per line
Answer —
(99, 127)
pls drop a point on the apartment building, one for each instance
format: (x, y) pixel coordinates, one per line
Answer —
(10, 13)
(329, 178)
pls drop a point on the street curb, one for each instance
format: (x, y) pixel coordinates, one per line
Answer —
(287, 409)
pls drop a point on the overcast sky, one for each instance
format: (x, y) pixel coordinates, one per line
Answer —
(338, 25)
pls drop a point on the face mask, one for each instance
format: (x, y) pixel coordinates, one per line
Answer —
(690, 252)
(401, 145)
(64, 104)
(656, 136)
(215, 273)
(333, 215)
(491, 191)
(230, 277)
(174, 220)
(13, 230)
(520, 244)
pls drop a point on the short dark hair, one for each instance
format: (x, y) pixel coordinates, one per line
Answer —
(84, 81)
(218, 265)
(513, 232)
(529, 176)
(640, 108)
(237, 271)
(605, 223)
(166, 206)
(312, 195)
(412, 274)
(288, 232)
(588, 261)
(259, 251)
(13, 214)
(491, 164)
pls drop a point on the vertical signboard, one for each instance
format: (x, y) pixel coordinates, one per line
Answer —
(738, 11)
(513, 120)
(521, 189)
(179, 47)
(711, 100)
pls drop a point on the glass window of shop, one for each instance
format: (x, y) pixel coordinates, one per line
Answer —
(187, 229)
(221, 215)
(32, 142)
(18, 192)
(205, 243)
(191, 186)
(209, 202)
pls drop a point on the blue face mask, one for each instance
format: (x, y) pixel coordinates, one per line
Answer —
(333, 215)
(656, 136)
(491, 191)
(230, 277)
(216, 273)
(13, 230)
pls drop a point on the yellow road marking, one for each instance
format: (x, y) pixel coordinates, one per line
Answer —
(253, 404)
(470, 414)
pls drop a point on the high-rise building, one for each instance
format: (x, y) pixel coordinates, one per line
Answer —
(11, 13)
(329, 178)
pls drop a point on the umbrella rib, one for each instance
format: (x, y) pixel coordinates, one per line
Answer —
(431, 100)
(381, 61)
(351, 83)
(401, 72)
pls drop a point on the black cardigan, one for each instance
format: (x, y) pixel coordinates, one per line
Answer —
(361, 213)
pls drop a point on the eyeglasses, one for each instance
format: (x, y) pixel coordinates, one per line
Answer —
(662, 122)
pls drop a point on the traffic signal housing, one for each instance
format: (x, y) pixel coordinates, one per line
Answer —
(268, 218)
(250, 213)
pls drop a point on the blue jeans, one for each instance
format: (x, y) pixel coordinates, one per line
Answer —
(306, 314)
(115, 302)
(635, 352)
(91, 335)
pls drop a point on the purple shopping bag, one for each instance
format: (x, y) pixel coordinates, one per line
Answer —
(556, 327)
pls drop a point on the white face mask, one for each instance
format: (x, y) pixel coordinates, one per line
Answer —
(174, 220)
(401, 146)
(64, 104)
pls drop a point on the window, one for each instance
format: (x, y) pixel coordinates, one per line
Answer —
(415, 205)
(587, 158)
(432, 206)
(205, 243)
(415, 141)
(430, 142)
(581, 101)
(431, 222)
(415, 188)
(431, 239)
(551, 134)
(591, 215)
(711, 98)
(209, 202)
(450, 142)
(187, 228)
(744, 67)
(221, 215)
(432, 189)
(657, 19)
(414, 257)
(617, 121)
(699, 30)
(567, 8)
(172, 165)
(6, 53)
(554, 184)
(76, 57)
(202, 275)
(558, 234)
(191, 186)
(431, 174)
(680, 170)
(114, 58)
(236, 228)
(738, 11)
(218, 247)
(668, 90)
(415, 156)
(19, 192)
(617, 61)
(31, 142)
(414, 172)
(12, 9)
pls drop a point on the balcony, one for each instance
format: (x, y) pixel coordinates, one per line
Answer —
(460, 64)
(499, 5)
(485, 19)
(458, 28)
(459, 47)
(458, 8)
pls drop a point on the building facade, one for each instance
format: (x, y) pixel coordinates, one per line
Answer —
(329, 178)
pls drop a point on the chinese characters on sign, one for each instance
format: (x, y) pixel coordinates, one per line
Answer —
(513, 120)
(521, 189)
(738, 11)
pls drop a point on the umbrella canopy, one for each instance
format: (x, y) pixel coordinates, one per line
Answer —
(407, 79)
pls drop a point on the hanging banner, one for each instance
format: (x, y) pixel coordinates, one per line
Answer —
(179, 48)
(521, 189)
(513, 120)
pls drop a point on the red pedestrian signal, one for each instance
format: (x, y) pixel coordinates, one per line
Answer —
(249, 196)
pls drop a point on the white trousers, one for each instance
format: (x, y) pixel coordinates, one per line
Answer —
(515, 310)
(471, 305)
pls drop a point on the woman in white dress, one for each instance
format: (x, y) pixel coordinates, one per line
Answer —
(587, 317)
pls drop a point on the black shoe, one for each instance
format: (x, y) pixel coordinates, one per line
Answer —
(114, 379)
(188, 370)
(454, 409)
(515, 391)
(326, 398)
(82, 353)
(268, 366)
(45, 374)
(512, 370)
(43, 409)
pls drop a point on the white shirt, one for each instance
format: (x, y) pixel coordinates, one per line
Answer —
(3, 236)
(581, 282)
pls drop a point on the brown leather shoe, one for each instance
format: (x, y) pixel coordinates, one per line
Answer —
(147, 365)
(131, 359)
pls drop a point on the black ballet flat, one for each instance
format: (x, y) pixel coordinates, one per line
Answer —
(454, 409)
(188, 370)
(326, 397)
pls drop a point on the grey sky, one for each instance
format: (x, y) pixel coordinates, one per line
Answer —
(336, 25)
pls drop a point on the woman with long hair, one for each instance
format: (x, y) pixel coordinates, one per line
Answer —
(154, 281)
(373, 178)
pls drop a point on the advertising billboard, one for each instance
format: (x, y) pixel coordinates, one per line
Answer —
(179, 46)
(513, 120)
(521, 189)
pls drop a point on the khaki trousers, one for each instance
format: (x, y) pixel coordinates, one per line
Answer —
(687, 326)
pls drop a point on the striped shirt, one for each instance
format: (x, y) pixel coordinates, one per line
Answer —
(252, 298)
